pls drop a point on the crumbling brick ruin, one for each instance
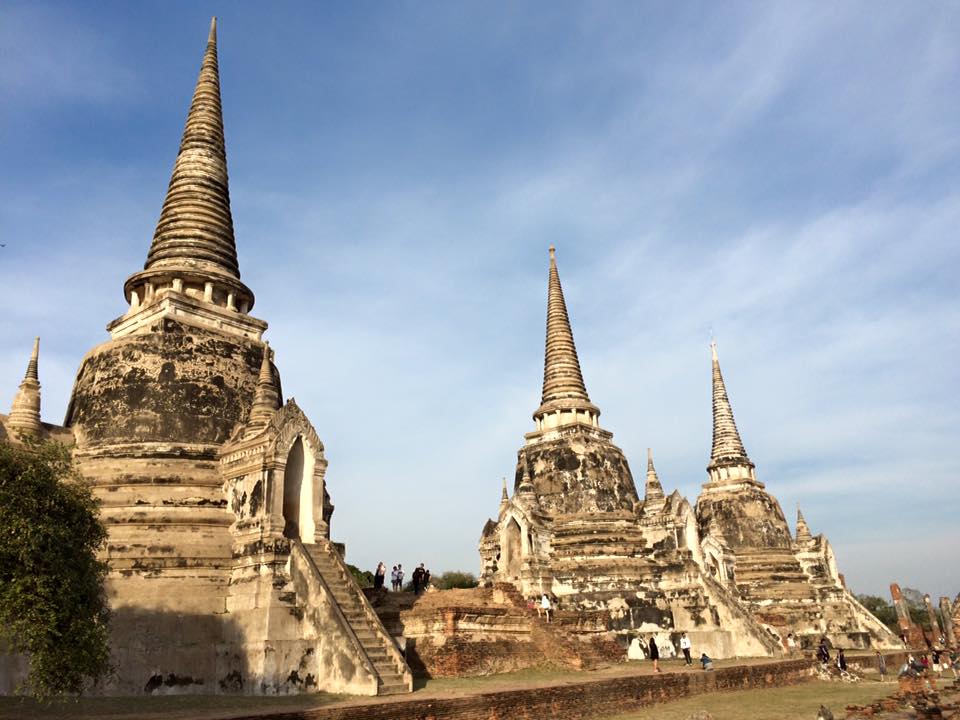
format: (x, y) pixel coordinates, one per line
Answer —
(222, 574)
(728, 572)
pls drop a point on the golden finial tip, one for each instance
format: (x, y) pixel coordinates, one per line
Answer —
(553, 252)
(213, 30)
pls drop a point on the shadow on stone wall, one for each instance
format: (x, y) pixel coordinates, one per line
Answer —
(160, 653)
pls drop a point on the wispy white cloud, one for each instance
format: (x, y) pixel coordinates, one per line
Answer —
(783, 175)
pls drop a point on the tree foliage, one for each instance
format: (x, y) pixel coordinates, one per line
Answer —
(52, 606)
(364, 578)
(887, 613)
(882, 610)
(454, 579)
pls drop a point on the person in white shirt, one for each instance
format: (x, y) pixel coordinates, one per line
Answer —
(685, 647)
(545, 606)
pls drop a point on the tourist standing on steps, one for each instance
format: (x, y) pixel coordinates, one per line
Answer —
(545, 606)
(654, 654)
(379, 575)
(841, 660)
(399, 577)
(823, 655)
(417, 578)
(791, 644)
(685, 648)
(393, 579)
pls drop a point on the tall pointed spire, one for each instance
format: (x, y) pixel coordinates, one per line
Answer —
(563, 388)
(728, 458)
(266, 399)
(194, 239)
(24, 418)
(654, 490)
(803, 530)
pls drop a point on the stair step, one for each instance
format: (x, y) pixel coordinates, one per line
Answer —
(399, 689)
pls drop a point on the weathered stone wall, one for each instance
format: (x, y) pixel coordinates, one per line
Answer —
(745, 517)
(578, 472)
(149, 412)
(177, 383)
(573, 700)
(482, 631)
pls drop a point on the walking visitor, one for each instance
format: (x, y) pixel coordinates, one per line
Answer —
(685, 648)
(379, 575)
(654, 654)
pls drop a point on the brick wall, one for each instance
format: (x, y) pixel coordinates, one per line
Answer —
(599, 698)
(573, 701)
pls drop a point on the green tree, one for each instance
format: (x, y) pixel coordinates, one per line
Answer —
(364, 578)
(454, 579)
(882, 610)
(52, 606)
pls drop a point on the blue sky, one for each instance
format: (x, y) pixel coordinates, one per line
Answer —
(784, 175)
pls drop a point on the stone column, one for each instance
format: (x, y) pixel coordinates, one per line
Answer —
(900, 605)
(946, 612)
(934, 624)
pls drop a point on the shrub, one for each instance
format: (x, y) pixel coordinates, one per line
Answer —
(52, 606)
(364, 578)
(455, 579)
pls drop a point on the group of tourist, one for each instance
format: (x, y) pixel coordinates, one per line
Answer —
(937, 662)
(650, 650)
(421, 578)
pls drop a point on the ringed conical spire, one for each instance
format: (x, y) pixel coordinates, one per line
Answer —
(563, 387)
(24, 418)
(803, 530)
(194, 238)
(266, 399)
(728, 451)
(654, 490)
(727, 448)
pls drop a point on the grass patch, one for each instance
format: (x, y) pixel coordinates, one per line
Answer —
(800, 702)
(164, 707)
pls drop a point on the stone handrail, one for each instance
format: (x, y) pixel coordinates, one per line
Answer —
(299, 554)
(392, 651)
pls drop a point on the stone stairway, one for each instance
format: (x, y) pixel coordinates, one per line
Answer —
(394, 675)
(772, 574)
